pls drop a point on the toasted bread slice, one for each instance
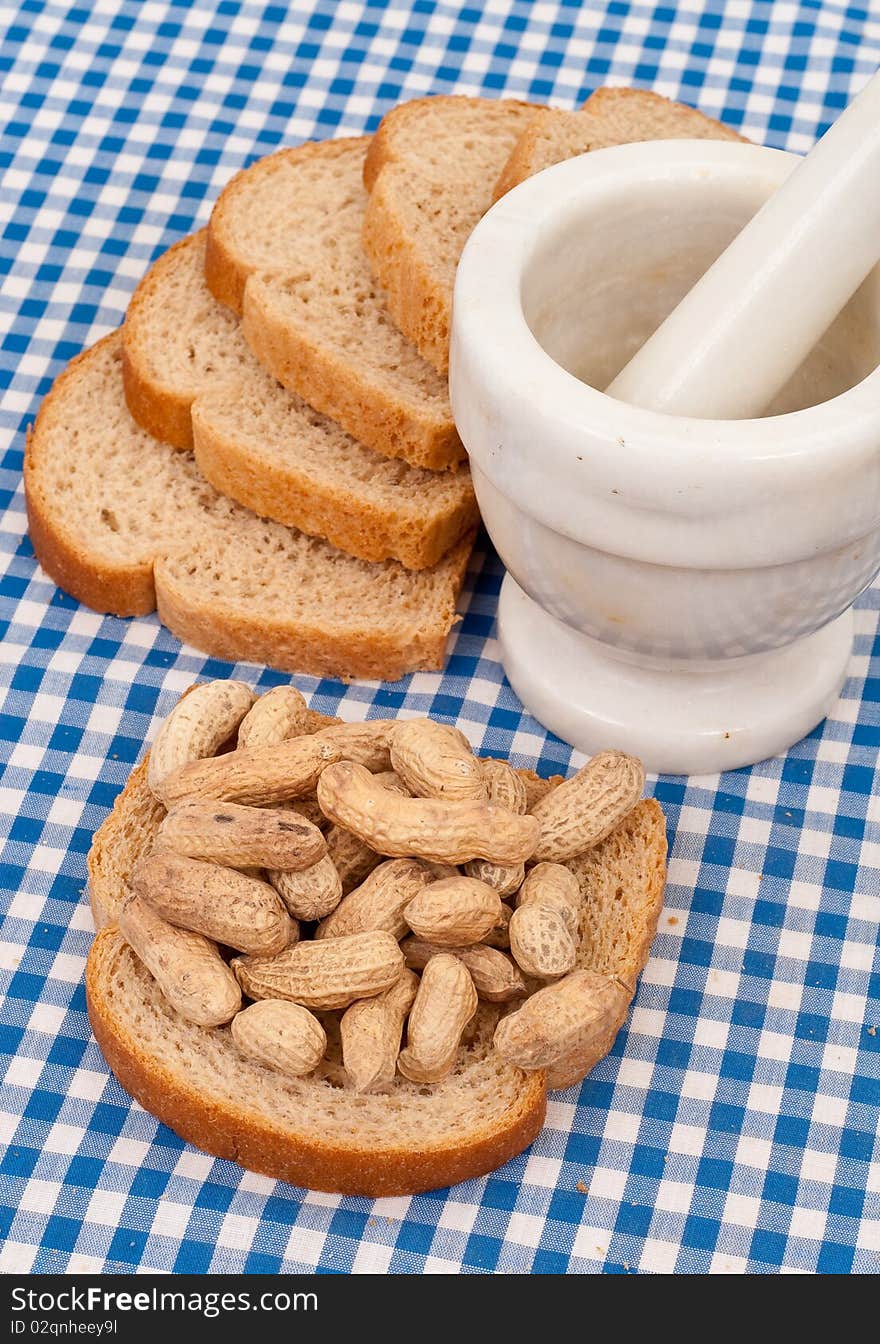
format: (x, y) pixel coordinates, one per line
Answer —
(284, 250)
(609, 117)
(431, 169)
(313, 1131)
(191, 380)
(126, 524)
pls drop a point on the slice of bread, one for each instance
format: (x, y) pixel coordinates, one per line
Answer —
(609, 117)
(126, 524)
(191, 380)
(284, 250)
(313, 1131)
(430, 170)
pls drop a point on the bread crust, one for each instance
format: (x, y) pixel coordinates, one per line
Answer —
(137, 588)
(640, 948)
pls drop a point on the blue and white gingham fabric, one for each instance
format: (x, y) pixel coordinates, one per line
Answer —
(734, 1126)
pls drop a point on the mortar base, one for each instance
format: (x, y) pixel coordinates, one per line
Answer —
(679, 721)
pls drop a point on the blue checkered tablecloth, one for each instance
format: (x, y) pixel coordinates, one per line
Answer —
(734, 1126)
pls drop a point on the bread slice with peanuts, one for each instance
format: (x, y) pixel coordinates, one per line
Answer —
(308, 1093)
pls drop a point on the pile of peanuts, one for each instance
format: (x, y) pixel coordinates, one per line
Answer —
(338, 863)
